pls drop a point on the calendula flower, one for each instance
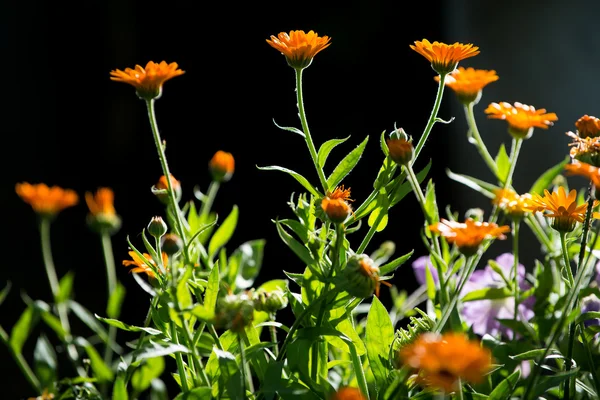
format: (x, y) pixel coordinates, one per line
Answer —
(360, 277)
(340, 193)
(298, 47)
(160, 189)
(511, 203)
(400, 150)
(348, 393)
(588, 126)
(468, 235)
(586, 149)
(562, 208)
(442, 360)
(46, 201)
(102, 217)
(521, 118)
(148, 81)
(586, 170)
(144, 265)
(444, 57)
(221, 166)
(468, 83)
(334, 206)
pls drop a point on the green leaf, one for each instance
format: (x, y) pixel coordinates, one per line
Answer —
(115, 301)
(547, 382)
(102, 372)
(88, 318)
(290, 129)
(430, 202)
(65, 287)
(247, 260)
(379, 337)
(375, 218)
(4, 292)
(223, 232)
(152, 349)
(393, 265)
(199, 393)
(212, 289)
(326, 148)
(120, 389)
(587, 315)
(545, 180)
(302, 180)
(299, 249)
(346, 165)
(404, 188)
(505, 389)
(127, 327)
(230, 374)
(503, 163)
(45, 361)
(22, 328)
(488, 294)
(149, 370)
(534, 354)
(485, 188)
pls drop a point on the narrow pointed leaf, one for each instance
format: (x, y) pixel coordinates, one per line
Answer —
(346, 165)
(302, 180)
(326, 148)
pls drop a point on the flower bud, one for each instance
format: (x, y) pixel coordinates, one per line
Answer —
(157, 227)
(171, 244)
(270, 301)
(400, 147)
(221, 166)
(336, 210)
(234, 312)
(360, 278)
(161, 189)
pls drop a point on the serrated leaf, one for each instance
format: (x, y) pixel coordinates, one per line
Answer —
(212, 289)
(302, 180)
(545, 180)
(430, 202)
(326, 148)
(379, 337)
(223, 233)
(346, 165)
(503, 163)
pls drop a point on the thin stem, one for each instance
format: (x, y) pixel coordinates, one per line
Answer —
(179, 360)
(111, 279)
(469, 268)
(273, 332)
(515, 271)
(213, 332)
(165, 167)
(478, 141)
(21, 362)
(590, 358)
(567, 262)
(138, 346)
(459, 392)
(207, 203)
(307, 137)
(432, 118)
(514, 155)
(246, 378)
(359, 371)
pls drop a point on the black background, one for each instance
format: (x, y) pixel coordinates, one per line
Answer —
(66, 123)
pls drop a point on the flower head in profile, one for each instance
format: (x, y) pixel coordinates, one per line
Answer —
(102, 216)
(161, 188)
(442, 360)
(586, 149)
(361, 277)
(513, 204)
(468, 83)
(468, 235)
(444, 57)
(348, 393)
(298, 47)
(148, 81)
(334, 206)
(586, 170)
(521, 118)
(588, 126)
(46, 201)
(144, 265)
(222, 166)
(562, 208)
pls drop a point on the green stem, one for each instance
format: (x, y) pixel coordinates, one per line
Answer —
(459, 392)
(138, 346)
(432, 118)
(111, 279)
(54, 286)
(246, 377)
(21, 362)
(469, 268)
(515, 270)
(179, 360)
(165, 167)
(207, 203)
(213, 332)
(273, 332)
(566, 261)
(514, 155)
(478, 141)
(359, 371)
(307, 137)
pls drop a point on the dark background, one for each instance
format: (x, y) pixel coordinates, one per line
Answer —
(65, 123)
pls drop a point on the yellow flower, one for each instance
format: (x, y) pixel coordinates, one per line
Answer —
(521, 118)
(102, 217)
(348, 393)
(442, 360)
(144, 265)
(46, 201)
(468, 83)
(147, 81)
(469, 235)
(588, 126)
(298, 47)
(562, 207)
(513, 204)
(444, 57)
(221, 166)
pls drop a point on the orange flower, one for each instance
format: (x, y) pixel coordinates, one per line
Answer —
(340, 193)
(468, 235)
(47, 201)
(588, 126)
(468, 83)
(298, 47)
(586, 170)
(103, 217)
(442, 360)
(221, 166)
(348, 393)
(513, 204)
(163, 185)
(521, 118)
(337, 210)
(147, 81)
(144, 265)
(444, 57)
(585, 149)
(401, 150)
(562, 207)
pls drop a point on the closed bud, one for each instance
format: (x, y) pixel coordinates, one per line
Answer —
(161, 189)
(171, 244)
(157, 227)
(221, 166)
(234, 312)
(360, 278)
(270, 301)
(400, 147)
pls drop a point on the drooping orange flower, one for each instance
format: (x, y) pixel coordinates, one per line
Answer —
(588, 126)
(348, 393)
(46, 201)
(298, 47)
(521, 118)
(512, 203)
(147, 81)
(441, 361)
(468, 83)
(468, 235)
(222, 166)
(562, 208)
(102, 218)
(144, 265)
(585, 149)
(444, 57)
(584, 169)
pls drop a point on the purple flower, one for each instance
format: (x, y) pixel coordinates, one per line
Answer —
(419, 269)
(590, 303)
(598, 273)
(483, 315)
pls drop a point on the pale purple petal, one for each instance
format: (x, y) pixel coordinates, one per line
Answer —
(598, 273)
(419, 269)
(590, 303)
